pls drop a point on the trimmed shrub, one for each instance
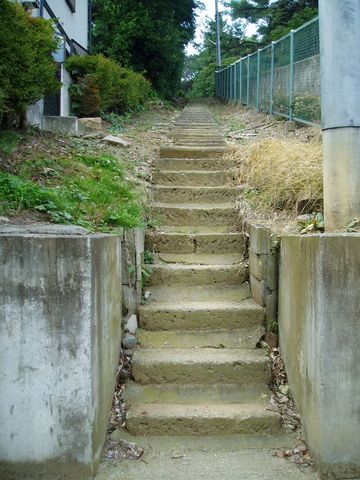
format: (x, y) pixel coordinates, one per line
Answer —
(118, 89)
(27, 69)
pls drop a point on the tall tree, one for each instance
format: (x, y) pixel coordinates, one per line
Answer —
(148, 36)
(274, 18)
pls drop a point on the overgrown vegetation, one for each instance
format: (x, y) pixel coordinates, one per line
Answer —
(101, 85)
(148, 37)
(277, 174)
(27, 69)
(94, 190)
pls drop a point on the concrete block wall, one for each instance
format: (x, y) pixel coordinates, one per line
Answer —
(263, 269)
(319, 322)
(60, 338)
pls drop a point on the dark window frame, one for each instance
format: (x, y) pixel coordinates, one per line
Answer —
(71, 4)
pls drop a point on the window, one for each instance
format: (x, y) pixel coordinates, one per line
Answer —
(71, 5)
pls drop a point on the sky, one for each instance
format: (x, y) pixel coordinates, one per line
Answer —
(209, 11)
(200, 21)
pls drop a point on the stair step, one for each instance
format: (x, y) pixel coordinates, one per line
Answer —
(195, 214)
(185, 164)
(191, 152)
(241, 338)
(215, 243)
(195, 194)
(199, 258)
(199, 293)
(197, 420)
(196, 394)
(168, 274)
(201, 315)
(203, 365)
(200, 178)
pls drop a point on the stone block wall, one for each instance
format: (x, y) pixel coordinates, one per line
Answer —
(263, 269)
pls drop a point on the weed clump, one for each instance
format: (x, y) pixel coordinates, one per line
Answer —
(277, 174)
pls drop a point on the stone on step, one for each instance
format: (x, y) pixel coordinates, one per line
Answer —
(203, 365)
(197, 393)
(201, 178)
(241, 338)
(197, 420)
(195, 214)
(191, 152)
(167, 274)
(200, 315)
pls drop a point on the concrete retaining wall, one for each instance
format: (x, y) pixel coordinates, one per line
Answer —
(319, 319)
(60, 334)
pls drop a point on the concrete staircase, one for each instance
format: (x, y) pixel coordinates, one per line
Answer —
(198, 371)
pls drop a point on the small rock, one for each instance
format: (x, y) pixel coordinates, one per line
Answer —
(132, 324)
(304, 218)
(128, 353)
(4, 220)
(284, 389)
(129, 341)
(117, 141)
(147, 295)
(93, 123)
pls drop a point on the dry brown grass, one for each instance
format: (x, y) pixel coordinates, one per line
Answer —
(277, 174)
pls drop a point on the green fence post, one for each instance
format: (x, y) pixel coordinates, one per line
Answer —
(291, 75)
(258, 79)
(240, 89)
(272, 75)
(248, 81)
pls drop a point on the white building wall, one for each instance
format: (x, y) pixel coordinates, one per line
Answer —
(75, 24)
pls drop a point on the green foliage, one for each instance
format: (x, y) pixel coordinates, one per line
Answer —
(27, 69)
(91, 191)
(101, 85)
(200, 69)
(315, 223)
(274, 19)
(148, 37)
(308, 107)
(9, 140)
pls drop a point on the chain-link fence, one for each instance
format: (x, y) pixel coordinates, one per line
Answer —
(283, 78)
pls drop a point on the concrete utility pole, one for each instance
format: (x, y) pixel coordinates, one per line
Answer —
(340, 103)
(218, 46)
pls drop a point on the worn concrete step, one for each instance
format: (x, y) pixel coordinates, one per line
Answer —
(210, 315)
(199, 293)
(195, 194)
(196, 394)
(197, 420)
(240, 338)
(201, 365)
(218, 243)
(199, 258)
(198, 142)
(181, 274)
(191, 152)
(185, 164)
(201, 178)
(195, 214)
(197, 229)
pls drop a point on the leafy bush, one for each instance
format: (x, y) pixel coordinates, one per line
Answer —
(102, 85)
(308, 107)
(27, 69)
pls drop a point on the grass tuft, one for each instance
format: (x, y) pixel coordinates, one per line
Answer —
(277, 174)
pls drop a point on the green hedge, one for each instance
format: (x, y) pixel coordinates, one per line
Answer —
(102, 85)
(27, 69)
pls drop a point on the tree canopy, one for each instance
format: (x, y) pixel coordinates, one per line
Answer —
(148, 36)
(274, 19)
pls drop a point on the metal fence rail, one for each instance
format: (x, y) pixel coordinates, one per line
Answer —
(282, 78)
